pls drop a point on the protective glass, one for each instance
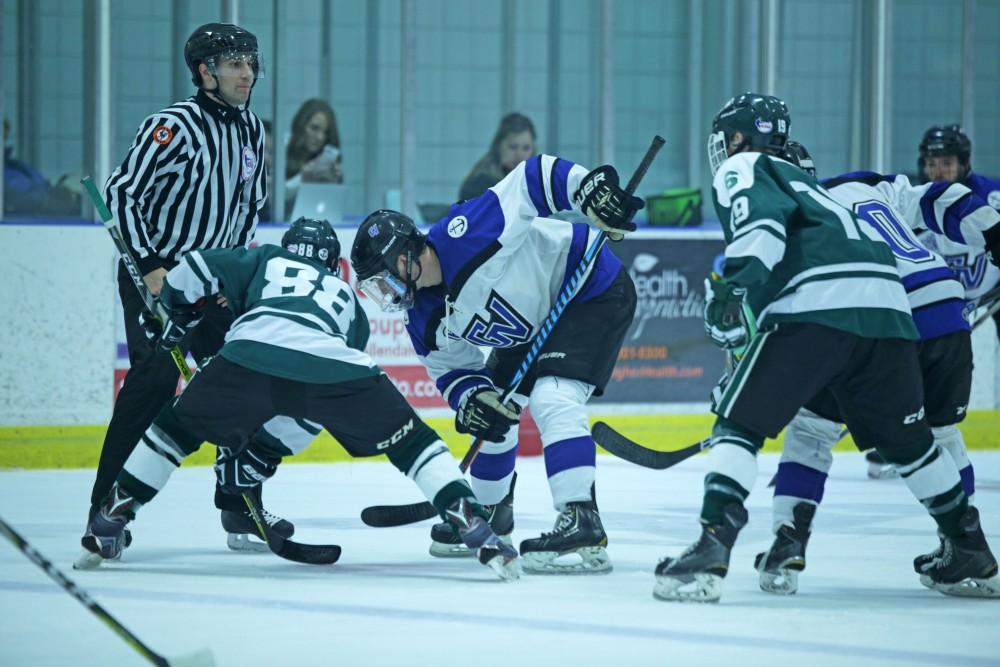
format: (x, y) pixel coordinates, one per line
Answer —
(221, 62)
(388, 291)
(716, 150)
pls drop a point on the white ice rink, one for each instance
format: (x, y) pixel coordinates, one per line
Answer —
(388, 603)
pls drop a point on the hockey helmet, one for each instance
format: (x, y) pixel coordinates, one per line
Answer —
(797, 154)
(381, 239)
(314, 241)
(762, 120)
(941, 141)
(213, 41)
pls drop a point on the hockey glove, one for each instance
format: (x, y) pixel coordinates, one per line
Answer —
(724, 320)
(608, 206)
(992, 237)
(482, 415)
(181, 319)
(242, 469)
(150, 326)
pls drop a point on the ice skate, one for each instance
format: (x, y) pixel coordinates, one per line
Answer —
(922, 561)
(696, 575)
(446, 542)
(780, 565)
(479, 538)
(966, 567)
(242, 533)
(577, 535)
(106, 537)
(878, 467)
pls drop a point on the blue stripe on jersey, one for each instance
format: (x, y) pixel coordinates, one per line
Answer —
(493, 467)
(952, 217)
(422, 320)
(939, 319)
(605, 268)
(981, 185)
(534, 178)
(560, 176)
(921, 278)
(484, 222)
(570, 453)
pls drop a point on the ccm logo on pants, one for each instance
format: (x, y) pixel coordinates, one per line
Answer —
(401, 433)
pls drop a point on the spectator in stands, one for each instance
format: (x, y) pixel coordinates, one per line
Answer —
(28, 193)
(513, 143)
(313, 154)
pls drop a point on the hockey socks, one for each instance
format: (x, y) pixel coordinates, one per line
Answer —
(933, 478)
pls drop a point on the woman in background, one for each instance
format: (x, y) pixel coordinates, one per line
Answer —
(313, 153)
(513, 143)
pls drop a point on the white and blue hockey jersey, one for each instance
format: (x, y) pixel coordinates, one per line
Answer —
(503, 264)
(895, 209)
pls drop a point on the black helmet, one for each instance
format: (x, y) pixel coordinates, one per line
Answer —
(381, 239)
(763, 120)
(946, 140)
(797, 154)
(315, 241)
(212, 40)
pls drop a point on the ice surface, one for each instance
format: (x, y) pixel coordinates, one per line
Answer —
(389, 603)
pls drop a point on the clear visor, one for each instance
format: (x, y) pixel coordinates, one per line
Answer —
(716, 150)
(233, 63)
(387, 291)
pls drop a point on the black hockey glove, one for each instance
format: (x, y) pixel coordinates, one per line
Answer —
(150, 326)
(724, 321)
(607, 205)
(181, 319)
(243, 469)
(482, 415)
(992, 237)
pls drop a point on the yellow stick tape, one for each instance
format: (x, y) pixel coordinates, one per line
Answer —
(80, 446)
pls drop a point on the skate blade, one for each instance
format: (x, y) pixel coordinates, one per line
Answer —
(882, 471)
(585, 560)
(442, 550)
(700, 587)
(505, 567)
(967, 588)
(88, 560)
(244, 543)
(780, 582)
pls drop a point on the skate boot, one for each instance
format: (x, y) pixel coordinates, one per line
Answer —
(922, 561)
(242, 533)
(696, 575)
(780, 565)
(966, 566)
(470, 522)
(878, 467)
(106, 536)
(578, 531)
(446, 542)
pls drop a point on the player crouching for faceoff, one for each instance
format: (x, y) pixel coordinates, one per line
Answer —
(296, 348)
(833, 317)
(487, 275)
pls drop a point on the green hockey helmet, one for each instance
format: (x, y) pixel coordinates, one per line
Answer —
(762, 120)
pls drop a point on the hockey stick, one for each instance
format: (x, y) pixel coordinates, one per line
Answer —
(624, 448)
(202, 658)
(318, 554)
(993, 299)
(384, 516)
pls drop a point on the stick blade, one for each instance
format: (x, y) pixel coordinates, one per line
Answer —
(617, 444)
(389, 516)
(202, 658)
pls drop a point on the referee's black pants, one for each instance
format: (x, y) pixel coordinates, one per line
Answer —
(151, 381)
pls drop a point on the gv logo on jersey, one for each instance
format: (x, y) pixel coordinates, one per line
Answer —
(505, 328)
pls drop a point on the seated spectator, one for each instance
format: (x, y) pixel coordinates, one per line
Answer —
(512, 144)
(313, 153)
(28, 193)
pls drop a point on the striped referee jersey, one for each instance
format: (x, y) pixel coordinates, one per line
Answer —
(193, 179)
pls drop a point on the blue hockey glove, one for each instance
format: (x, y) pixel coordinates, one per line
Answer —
(607, 205)
(724, 321)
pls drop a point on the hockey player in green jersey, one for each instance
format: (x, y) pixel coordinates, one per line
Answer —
(832, 315)
(296, 348)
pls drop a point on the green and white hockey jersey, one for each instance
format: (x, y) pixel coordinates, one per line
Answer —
(294, 320)
(802, 256)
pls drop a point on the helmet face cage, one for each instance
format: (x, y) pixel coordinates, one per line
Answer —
(381, 239)
(944, 141)
(762, 120)
(315, 241)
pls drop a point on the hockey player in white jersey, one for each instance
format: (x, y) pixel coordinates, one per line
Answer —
(944, 351)
(296, 349)
(487, 275)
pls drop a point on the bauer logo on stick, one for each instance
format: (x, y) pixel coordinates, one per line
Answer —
(163, 135)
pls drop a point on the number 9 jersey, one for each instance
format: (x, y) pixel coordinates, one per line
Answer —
(802, 256)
